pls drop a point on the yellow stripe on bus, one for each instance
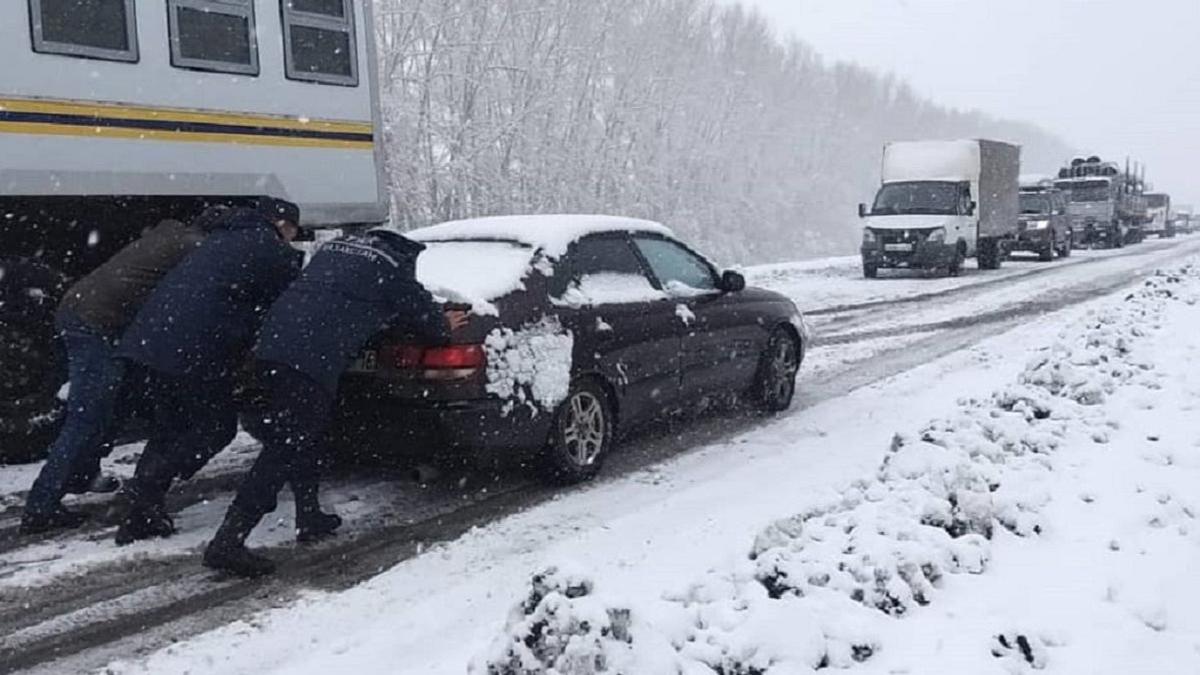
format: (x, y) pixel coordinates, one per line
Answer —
(50, 129)
(116, 111)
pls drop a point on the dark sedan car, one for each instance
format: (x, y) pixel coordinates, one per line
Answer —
(584, 326)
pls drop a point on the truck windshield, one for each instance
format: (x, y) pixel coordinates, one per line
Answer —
(1035, 204)
(1156, 201)
(918, 198)
(1090, 191)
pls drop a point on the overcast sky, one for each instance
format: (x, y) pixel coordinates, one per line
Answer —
(1132, 87)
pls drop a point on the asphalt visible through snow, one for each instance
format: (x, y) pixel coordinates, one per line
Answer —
(108, 607)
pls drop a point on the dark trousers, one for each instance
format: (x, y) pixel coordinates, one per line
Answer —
(96, 387)
(193, 420)
(297, 415)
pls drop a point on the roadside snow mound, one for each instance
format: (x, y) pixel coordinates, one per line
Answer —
(815, 586)
(563, 628)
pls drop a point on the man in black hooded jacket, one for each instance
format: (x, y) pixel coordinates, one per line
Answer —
(192, 336)
(354, 287)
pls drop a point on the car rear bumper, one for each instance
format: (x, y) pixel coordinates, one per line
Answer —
(390, 426)
(924, 255)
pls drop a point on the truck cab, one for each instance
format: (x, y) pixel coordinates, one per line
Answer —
(941, 202)
(1160, 220)
(920, 225)
(1095, 221)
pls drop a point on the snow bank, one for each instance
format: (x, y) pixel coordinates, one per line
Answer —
(818, 589)
(562, 627)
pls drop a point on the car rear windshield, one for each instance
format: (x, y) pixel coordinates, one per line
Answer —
(474, 272)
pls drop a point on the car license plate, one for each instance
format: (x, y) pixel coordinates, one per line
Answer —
(897, 247)
(367, 362)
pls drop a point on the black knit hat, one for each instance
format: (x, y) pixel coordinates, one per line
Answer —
(279, 209)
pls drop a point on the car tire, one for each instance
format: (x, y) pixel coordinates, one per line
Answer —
(870, 271)
(775, 384)
(1047, 254)
(1064, 251)
(960, 257)
(581, 435)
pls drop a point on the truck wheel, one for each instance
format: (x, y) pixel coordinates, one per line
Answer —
(32, 370)
(870, 271)
(989, 254)
(581, 436)
(1047, 254)
(32, 360)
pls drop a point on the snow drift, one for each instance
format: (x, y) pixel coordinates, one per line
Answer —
(816, 588)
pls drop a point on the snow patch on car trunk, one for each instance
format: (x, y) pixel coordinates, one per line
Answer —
(531, 366)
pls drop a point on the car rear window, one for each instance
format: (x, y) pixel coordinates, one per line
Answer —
(474, 272)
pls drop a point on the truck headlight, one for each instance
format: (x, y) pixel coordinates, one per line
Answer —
(1038, 224)
(937, 236)
(868, 236)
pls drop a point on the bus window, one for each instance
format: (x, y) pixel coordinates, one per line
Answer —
(213, 35)
(94, 29)
(319, 43)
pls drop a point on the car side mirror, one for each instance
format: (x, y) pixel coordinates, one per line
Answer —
(732, 282)
(971, 208)
(862, 210)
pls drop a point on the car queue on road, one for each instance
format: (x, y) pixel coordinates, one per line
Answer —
(942, 202)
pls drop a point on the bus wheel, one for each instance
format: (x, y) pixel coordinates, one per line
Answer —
(32, 370)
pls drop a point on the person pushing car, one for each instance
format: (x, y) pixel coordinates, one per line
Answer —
(192, 336)
(353, 288)
(91, 318)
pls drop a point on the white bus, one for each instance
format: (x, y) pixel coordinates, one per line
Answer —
(117, 113)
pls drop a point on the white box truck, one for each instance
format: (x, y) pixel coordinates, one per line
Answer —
(115, 114)
(940, 203)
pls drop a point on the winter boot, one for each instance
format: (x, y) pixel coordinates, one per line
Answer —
(101, 484)
(227, 551)
(58, 519)
(311, 524)
(145, 522)
(144, 496)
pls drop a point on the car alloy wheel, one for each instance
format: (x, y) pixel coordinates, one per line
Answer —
(583, 432)
(777, 378)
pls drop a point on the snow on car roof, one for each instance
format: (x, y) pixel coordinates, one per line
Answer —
(552, 234)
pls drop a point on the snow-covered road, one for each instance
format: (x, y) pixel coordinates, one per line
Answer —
(893, 353)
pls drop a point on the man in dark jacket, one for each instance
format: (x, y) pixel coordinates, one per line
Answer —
(354, 287)
(192, 336)
(91, 318)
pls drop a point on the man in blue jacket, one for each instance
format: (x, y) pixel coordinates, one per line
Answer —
(354, 287)
(192, 336)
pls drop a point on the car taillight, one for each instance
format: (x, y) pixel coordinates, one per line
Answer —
(454, 357)
(436, 363)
